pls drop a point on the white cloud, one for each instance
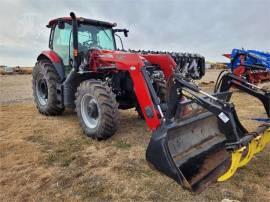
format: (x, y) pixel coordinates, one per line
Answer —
(203, 26)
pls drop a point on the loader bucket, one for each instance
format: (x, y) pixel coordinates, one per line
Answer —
(191, 150)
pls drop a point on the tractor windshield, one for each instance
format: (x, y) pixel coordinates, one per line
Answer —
(90, 36)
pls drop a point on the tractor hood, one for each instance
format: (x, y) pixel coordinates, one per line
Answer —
(123, 60)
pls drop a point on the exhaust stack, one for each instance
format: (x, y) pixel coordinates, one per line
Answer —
(75, 40)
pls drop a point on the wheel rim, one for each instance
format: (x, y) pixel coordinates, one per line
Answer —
(89, 111)
(42, 91)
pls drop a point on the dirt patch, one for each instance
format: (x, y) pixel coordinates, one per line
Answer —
(50, 159)
(15, 89)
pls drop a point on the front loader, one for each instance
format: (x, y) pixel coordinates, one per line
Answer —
(197, 138)
(202, 139)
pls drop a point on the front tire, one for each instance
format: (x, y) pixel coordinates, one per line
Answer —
(97, 109)
(44, 85)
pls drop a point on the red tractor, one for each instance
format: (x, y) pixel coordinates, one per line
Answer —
(193, 136)
(84, 70)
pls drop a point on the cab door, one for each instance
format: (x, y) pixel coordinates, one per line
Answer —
(61, 43)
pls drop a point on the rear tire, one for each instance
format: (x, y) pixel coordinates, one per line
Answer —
(97, 109)
(44, 83)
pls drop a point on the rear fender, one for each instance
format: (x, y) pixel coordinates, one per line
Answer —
(56, 62)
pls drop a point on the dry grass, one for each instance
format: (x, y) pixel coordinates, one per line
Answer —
(50, 159)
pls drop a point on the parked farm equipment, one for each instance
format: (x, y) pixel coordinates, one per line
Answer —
(197, 137)
(252, 65)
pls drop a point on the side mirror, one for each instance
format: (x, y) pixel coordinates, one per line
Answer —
(126, 32)
(122, 30)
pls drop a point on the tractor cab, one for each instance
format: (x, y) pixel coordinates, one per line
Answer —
(92, 34)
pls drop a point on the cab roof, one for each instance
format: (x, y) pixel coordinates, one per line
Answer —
(81, 20)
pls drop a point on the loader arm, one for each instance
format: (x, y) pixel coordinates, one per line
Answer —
(229, 80)
(222, 109)
(147, 98)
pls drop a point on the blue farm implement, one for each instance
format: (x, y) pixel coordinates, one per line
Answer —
(252, 65)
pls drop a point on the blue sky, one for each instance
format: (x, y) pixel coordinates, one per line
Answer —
(207, 27)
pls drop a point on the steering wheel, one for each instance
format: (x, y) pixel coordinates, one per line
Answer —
(95, 47)
(87, 42)
(92, 45)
